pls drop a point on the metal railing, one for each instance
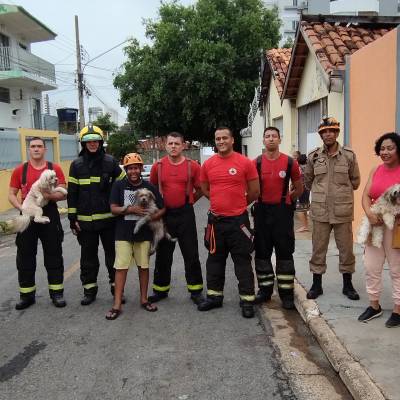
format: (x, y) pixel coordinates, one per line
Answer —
(22, 60)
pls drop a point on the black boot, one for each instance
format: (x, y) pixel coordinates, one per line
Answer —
(58, 300)
(247, 309)
(88, 298)
(211, 302)
(197, 298)
(157, 296)
(25, 302)
(263, 296)
(348, 289)
(316, 288)
(288, 303)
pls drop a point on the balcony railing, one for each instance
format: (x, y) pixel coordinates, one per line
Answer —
(18, 59)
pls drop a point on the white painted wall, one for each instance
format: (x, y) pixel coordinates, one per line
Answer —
(23, 117)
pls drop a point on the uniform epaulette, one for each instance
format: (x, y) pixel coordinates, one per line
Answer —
(348, 149)
(313, 151)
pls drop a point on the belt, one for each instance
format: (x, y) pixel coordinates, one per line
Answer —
(179, 209)
(215, 217)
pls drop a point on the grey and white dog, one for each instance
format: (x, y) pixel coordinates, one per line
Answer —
(387, 206)
(145, 198)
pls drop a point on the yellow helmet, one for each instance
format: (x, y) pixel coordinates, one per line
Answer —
(132, 158)
(328, 123)
(91, 133)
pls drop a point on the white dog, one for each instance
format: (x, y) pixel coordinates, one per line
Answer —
(146, 199)
(33, 203)
(387, 206)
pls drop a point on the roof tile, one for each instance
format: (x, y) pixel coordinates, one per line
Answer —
(278, 60)
(332, 42)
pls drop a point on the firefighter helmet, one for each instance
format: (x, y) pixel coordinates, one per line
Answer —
(328, 123)
(132, 158)
(91, 133)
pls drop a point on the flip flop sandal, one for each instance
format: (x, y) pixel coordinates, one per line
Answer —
(113, 314)
(149, 307)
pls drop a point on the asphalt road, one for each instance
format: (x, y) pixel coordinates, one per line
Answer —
(175, 353)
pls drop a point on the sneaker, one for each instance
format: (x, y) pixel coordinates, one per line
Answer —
(393, 321)
(370, 313)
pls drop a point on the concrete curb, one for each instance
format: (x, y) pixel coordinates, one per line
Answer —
(352, 373)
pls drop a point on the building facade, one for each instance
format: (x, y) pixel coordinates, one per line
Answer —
(23, 76)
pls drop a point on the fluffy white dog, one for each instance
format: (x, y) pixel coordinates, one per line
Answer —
(33, 203)
(146, 199)
(387, 206)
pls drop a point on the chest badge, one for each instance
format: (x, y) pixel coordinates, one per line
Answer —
(232, 171)
(282, 174)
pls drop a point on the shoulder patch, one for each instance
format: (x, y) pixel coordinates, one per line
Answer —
(313, 151)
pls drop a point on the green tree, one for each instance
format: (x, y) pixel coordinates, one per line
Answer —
(105, 124)
(289, 43)
(121, 143)
(201, 67)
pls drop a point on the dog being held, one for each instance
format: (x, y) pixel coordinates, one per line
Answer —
(145, 198)
(33, 203)
(387, 206)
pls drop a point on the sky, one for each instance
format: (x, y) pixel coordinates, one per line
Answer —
(102, 25)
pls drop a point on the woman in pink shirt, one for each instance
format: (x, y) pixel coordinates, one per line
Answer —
(385, 175)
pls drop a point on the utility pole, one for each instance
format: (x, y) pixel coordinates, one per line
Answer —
(80, 75)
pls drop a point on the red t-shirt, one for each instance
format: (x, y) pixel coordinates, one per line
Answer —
(174, 181)
(273, 177)
(228, 177)
(32, 175)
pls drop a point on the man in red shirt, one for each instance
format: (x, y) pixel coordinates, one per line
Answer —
(273, 219)
(178, 180)
(230, 181)
(51, 234)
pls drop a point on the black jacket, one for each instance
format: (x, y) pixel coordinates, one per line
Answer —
(89, 185)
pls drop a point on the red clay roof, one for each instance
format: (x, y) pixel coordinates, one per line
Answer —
(278, 60)
(331, 43)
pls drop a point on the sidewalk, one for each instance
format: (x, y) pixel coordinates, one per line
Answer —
(366, 355)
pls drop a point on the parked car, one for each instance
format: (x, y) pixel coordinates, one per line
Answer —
(146, 171)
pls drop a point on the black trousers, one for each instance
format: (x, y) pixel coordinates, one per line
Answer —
(89, 242)
(181, 224)
(274, 231)
(230, 239)
(51, 236)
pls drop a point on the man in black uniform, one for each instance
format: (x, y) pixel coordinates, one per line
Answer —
(50, 234)
(273, 219)
(90, 180)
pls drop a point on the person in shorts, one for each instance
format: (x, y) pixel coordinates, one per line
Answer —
(129, 247)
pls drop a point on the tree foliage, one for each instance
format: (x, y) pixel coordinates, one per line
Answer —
(121, 143)
(201, 67)
(105, 124)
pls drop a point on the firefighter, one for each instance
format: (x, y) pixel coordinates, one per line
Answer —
(178, 180)
(273, 219)
(332, 175)
(51, 234)
(90, 180)
(230, 181)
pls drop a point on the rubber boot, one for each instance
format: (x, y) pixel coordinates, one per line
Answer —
(316, 288)
(247, 309)
(58, 300)
(263, 296)
(348, 289)
(211, 302)
(157, 296)
(25, 302)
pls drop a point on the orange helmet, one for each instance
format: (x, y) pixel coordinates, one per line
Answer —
(132, 158)
(328, 123)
